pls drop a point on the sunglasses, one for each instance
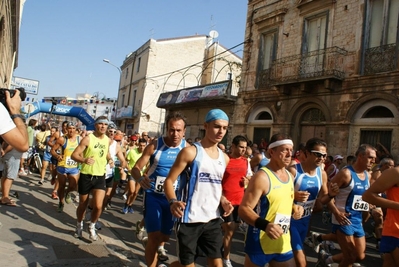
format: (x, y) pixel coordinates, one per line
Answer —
(111, 131)
(318, 154)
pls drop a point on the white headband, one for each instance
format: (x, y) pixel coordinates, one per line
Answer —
(281, 142)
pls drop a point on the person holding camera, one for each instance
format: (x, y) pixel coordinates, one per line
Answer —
(14, 133)
(12, 128)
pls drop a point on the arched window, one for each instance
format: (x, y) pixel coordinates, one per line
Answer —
(313, 115)
(378, 112)
(264, 115)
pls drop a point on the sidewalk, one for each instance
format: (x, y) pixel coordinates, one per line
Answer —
(34, 234)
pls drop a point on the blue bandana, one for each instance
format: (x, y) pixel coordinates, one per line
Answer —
(216, 114)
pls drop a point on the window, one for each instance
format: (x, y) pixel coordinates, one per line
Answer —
(123, 100)
(314, 44)
(264, 116)
(378, 112)
(127, 71)
(267, 53)
(373, 137)
(138, 64)
(380, 36)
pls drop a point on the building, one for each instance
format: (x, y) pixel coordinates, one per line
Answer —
(162, 66)
(10, 21)
(318, 68)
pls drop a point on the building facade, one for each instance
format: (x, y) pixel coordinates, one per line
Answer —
(167, 65)
(10, 21)
(318, 68)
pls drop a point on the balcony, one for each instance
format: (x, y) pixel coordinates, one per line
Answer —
(313, 66)
(380, 59)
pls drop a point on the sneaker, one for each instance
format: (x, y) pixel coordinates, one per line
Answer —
(76, 199)
(125, 209)
(118, 190)
(98, 225)
(308, 241)
(92, 232)
(22, 172)
(322, 257)
(144, 241)
(78, 231)
(130, 209)
(324, 246)
(109, 205)
(40, 183)
(331, 245)
(68, 198)
(54, 195)
(140, 231)
(60, 207)
(124, 196)
(227, 263)
(162, 254)
(315, 242)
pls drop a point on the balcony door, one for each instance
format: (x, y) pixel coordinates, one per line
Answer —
(314, 44)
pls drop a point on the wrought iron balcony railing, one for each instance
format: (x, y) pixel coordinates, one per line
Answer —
(315, 65)
(381, 59)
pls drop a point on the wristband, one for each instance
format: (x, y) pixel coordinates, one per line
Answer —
(261, 223)
(172, 200)
(140, 179)
(22, 117)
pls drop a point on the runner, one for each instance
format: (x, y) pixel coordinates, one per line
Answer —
(93, 154)
(268, 235)
(200, 194)
(67, 168)
(161, 154)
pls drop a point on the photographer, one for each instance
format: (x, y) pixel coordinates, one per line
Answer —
(13, 128)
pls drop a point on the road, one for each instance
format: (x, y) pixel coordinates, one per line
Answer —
(35, 234)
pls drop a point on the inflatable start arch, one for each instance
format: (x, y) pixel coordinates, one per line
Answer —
(62, 110)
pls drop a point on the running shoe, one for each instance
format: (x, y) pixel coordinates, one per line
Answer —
(78, 231)
(326, 217)
(68, 198)
(125, 209)
(98, 225)
(54, 195)
(60, 207)
(316, 243)
(130, 209)
(162, 254)
(308, 241)
(227, 263)
(322, 257)
(40, 183)
(124, 196)
(144, 241)
(109, 205)
(140, 231)
(22, 172)
(92, 232)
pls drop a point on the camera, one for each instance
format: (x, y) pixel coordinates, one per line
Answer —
(22, 95)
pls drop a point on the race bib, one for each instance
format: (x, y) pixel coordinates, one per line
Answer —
(159, 182)
(307, 207)
(284, 222)
(70, 162)
(358, 204)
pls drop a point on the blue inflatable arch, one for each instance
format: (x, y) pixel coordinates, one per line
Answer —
(61, 110)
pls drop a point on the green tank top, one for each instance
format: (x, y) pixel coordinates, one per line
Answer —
(98, 150)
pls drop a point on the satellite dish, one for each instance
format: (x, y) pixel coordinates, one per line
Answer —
(214, 34)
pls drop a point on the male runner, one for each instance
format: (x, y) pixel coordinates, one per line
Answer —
(268, 235)
(67, 168)
(161, 154)
(93, 154)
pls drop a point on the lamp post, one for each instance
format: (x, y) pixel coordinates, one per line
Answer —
(120, 77)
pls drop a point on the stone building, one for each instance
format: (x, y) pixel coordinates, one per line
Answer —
(10, 21)
(185, 65)
(318, 68)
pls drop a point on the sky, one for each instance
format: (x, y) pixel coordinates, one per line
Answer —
(62, 43)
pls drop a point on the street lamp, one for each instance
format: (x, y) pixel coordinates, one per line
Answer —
(120, 77)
